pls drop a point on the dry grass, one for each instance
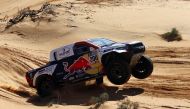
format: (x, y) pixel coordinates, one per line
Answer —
(127, 104)
(98, 101)
(174, 35)
(45, 13)
(107, 1)
(96, 1)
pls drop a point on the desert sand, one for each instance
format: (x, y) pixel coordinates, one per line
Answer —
(26, 46)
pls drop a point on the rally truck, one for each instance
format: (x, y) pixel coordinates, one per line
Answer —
(91, 59)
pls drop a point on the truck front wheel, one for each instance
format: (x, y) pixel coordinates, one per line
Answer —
(143, 68)
(118, 72)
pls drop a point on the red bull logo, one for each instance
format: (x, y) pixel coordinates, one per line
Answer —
(80, 63)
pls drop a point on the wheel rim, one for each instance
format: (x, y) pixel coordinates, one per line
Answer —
(141, 67)
(117, 71)
(46, 87)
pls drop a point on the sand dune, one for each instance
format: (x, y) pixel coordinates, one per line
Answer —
(27, 44)
(14, 64)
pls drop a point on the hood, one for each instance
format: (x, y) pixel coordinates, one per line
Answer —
(116, 46)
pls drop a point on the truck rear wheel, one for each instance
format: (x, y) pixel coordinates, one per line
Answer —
(118, 72)
(45, 86)
(143, 68)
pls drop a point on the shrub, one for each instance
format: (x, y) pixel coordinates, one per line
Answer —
(98, 101)
(45, 13)
(127, 104)
(174, 35)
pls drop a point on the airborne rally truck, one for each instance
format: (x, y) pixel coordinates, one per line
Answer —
(91, 59)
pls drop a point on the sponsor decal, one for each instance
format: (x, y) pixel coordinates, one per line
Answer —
(86, 64)
(80, 63)
(71, 78)
(64, 53)
(47, 70)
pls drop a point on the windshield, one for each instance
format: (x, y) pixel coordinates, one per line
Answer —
(101, 42)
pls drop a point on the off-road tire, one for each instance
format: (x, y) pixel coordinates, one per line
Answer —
(143, 68)
(118, 72)
(45, 86)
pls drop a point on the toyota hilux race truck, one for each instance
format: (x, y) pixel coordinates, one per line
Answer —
(91, 59)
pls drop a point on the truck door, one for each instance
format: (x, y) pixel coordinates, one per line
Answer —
(88, 59)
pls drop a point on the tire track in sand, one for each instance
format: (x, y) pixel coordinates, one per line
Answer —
(171, 76)
(14, 63)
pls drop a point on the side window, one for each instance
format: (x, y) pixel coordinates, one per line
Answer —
(80, 50)
(93, 56)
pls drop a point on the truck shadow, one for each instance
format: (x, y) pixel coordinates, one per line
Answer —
(82, 95)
